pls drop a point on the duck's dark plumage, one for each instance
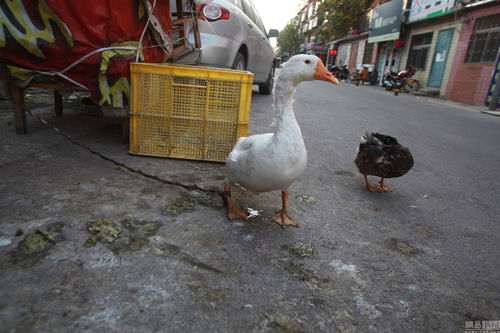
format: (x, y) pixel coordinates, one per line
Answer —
(382, 156)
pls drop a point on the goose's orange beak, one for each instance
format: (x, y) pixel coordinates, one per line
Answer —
(321, 73)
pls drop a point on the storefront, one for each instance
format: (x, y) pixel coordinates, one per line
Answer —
(431, 43)
(319, 50)
(476, 55)
(385, 27)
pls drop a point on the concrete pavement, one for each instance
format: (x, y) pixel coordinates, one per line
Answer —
(88, 245)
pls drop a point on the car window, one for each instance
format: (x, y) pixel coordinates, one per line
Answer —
(248, 9)
(258, 21)
(252, 13)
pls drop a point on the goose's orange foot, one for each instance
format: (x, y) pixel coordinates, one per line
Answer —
(284, 220)
(236, 213)
(233, 212)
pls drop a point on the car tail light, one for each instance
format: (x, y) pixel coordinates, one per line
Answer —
(212, 13)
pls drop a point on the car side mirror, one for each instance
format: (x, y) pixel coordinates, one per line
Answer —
(273, 33)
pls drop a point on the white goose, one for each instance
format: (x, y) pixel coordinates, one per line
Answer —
(273, 161)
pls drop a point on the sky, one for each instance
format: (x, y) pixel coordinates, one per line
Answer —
(276, 13)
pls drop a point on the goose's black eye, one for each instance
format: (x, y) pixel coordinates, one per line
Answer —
(308, 62)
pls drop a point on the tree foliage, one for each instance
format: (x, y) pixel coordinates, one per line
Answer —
(289, 39)
(339, 17)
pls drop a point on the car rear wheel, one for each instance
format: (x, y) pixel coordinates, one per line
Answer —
(267, 87)
(239, 62)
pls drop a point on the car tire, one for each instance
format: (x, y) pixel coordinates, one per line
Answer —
(267, 87)
(239, 62)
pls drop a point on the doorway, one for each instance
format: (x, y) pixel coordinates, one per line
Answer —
(439, 59)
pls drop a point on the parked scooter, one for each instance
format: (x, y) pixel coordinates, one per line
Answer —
(366, 74)
(402, 80)
(341, 73)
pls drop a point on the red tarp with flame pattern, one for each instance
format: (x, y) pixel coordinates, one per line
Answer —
(49, 40)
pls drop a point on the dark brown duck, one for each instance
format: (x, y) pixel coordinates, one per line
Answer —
(382, 156)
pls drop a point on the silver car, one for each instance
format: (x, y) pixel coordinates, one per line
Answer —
(233, 36)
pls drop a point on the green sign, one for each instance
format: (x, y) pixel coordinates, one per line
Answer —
(426, 9)
(385, 23)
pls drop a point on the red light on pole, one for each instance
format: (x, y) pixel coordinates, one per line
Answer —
(333, 52)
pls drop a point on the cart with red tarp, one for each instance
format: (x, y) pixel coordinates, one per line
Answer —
(88, 45)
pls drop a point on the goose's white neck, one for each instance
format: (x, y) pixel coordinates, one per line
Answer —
(283, 93)
(286, 124)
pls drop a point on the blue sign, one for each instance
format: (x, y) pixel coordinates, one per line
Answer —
(494, 81)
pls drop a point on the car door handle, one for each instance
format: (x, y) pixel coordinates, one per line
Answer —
(250, 25)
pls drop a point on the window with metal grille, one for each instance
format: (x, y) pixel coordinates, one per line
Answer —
(485, 40)
(420, 45)
(367, 56)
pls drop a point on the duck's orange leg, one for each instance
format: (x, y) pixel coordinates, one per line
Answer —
(282, 217)
(382, 186)
(233, 212)
(370, 187)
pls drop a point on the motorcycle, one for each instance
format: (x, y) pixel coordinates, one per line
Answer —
(402, 80)
(341, 73)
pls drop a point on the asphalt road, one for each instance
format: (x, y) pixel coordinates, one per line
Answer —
(87, 245)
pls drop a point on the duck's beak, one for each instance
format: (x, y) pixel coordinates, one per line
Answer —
(321, 73)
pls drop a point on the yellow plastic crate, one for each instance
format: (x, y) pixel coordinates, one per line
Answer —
(188, 112)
